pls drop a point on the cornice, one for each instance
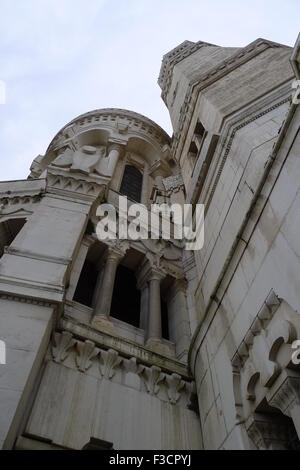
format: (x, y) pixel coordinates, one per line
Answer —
(122, 120)
(123, 346)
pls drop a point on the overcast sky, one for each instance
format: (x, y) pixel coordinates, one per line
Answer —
(61, 58)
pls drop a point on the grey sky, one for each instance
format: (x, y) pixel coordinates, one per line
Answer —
(61, 58)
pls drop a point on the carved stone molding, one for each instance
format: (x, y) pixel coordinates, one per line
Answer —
(18, 199)
(152, 378)
(86, 159)
(287, 396)
(85, 353)
(264, 376)
(65, 182)
(260, 322)
(62, 344)
(81, 355)
(109, 361)
(269, 432)
(174, 386)
(27, 300)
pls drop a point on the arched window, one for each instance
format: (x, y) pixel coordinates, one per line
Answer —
(131, 185)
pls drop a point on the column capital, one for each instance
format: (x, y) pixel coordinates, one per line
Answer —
(148, 272)
(116, 144)
(156, 274)
(88, 240)
(180, 285)
(287, 394)
(269, 432)
(116, 250)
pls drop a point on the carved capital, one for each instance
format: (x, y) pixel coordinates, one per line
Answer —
(287, 395)
(269, 432)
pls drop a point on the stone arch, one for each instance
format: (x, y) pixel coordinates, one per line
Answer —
(267, 383)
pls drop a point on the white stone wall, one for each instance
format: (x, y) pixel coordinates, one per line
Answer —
(269, 260)
(88, 393)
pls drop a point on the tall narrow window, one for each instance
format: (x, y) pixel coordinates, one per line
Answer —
(196, 143)
(131, 185)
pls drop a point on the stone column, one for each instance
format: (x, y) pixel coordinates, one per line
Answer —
(103, 302)
(179, 327)
(144, 306)
(113, 157)
(154, 318)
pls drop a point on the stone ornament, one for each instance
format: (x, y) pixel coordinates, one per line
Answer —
(84, 160)
(152, 378)
(85, 353)
(174, 385)
(168, 387)
(63, 343)
(109, 361)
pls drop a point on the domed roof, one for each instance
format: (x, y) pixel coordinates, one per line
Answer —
(114, 117)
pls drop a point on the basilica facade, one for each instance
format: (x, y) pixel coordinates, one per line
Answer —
(142, 344)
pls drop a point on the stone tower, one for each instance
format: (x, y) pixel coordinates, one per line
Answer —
(141, 344)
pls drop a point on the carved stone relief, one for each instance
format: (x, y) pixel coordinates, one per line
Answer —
(85, 355)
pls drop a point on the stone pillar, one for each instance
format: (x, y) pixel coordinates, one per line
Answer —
(154, 318)
(145, 187)
(179, 327)
(144, 306)
(113, 157)
(104, 298)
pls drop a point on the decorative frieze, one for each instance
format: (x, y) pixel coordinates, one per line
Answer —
(110, 365)
(62, 181)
